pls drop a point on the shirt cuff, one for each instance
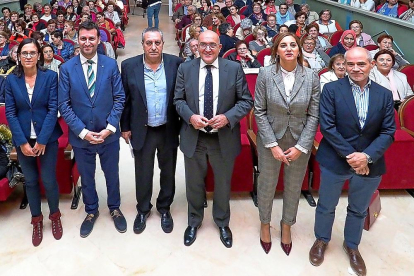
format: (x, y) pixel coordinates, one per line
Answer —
(83, 133)
(111, 128)
(271, 145)
(302, 149)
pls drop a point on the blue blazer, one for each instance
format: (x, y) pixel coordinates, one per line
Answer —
(42, 110)
(342, 134)
(80, 110)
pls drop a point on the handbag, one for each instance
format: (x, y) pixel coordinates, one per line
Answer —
(14, 175)
(373, 210)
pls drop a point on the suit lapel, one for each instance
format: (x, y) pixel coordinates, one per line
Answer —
(39, 83)
(222, 83)
(278, 79)
(81, 76)
(372, 101)
(99, 72)
(299, 79)
(22, 85)
(349, 98)
(195, 75)
(168, 75)
(139, 76)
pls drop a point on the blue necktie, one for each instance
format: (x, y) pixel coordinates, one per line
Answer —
(208, 96)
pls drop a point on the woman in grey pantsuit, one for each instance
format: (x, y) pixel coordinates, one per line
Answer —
(287, 109)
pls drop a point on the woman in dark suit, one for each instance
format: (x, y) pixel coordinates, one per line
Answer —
(287, 110)
(31, 111)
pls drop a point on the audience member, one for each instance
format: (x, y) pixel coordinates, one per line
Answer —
(270, 7)
(69, 32)
(244, 56)
(225, 11)
(336, 69)
(4, 29)
(292, 7)
(51, 27)
(312, 15)
(392, 8)
(218, 19)
(385, 75)
(271, 26)
(192, 45)
(258, 16)
(283, 16)
(20, 31)
(36, 24)
(385, 42)
(367, 5)
(234, 18)
(316, 58)
(362, 39)
(49, 62)
(246, 28)
(47, 15)
(261, 40)
(38, 36)
(409, 14)
(321, 42)
(181, 11)
(197, 19)
(64, 3)
(299, 27)
(205, 8)
(207, 20)
(60, 47)
(326, 24)
(27, 15)
(4, 45)
(186, 19)
(102, 23)
(92, 15)
(60, 20)
(70, 14)
(110, 13)
(347, 41)
(9, 64)
(283, 29)
(227, 38)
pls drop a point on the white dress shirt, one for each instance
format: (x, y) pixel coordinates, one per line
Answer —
(30, 93)
(85, 64)
(201, 81)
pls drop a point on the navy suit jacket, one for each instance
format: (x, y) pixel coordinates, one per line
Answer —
(342, 134)
(41, 110)
(135, 115)
(79, 110)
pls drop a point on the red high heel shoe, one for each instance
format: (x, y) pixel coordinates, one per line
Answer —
(285, 247)
(266, 245)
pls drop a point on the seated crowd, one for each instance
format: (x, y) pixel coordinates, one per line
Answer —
(245, 30)
(54, 26)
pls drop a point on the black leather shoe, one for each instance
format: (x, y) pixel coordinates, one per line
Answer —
(226, 236)
(141, 222)
(167, 223)
(190, 235)
(87, 224)
(119, 220)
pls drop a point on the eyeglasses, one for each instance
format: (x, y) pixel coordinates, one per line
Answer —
(27, 54)
(309, 43)
(241, 49)
(205, 45)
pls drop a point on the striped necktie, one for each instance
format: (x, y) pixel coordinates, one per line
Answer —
(91, 78)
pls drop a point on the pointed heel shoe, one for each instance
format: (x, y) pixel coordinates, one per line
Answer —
(266, 245)
(286, 247)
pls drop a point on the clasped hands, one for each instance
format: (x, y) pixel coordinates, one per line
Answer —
(359, 162)
(97, 137)
(199, 121)
(287, 156)
(37, 150)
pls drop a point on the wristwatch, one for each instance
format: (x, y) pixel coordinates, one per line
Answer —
(368, 158)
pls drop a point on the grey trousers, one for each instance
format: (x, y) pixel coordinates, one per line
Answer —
(293, 176)
(208, 150)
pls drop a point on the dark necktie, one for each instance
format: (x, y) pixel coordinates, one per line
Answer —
(208, 96)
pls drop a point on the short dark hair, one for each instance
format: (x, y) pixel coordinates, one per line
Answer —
(89, 25)
(300, 13)
(355, 21)
(21, 23)
(385, 52)
(384, 36)
(5, 8)
(19, 70)
(240, 42)
(224, 27)
(60, 12)
(37, 35)
(57, 34)
(325, 10)
(52, 21)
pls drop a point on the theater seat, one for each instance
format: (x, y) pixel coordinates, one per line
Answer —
(5, 190)
(406, 115)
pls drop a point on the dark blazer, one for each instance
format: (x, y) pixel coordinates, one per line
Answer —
(41, 110)
(80, 110)
(337, 49)
(234, 101)
(135, 117)
(341, 131)
(227, 43)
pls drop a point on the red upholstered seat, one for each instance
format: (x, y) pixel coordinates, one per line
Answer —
(323, 70)
(249, 38)
(261, 55)
(236, 27)
(251, 82)
(228, 52)
(335, 37)
(406, 115)
(241, 11)
(242, 178)
(5, 190)
(371, 47)
(408, 70)
(399, 174)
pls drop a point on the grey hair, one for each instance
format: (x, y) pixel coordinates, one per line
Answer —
(365, 50)
(152, 30)
(11, 50)
(193, 8)
(305, 5)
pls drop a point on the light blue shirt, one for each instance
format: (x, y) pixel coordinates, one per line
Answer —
(361, 101)
(156, 93)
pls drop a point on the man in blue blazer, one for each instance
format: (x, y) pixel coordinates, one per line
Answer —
(358, 125)
(91, 100)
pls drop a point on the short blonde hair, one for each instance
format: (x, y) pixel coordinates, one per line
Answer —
(259, 28)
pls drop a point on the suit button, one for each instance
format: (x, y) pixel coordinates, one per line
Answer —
(34, 123)
(91, 122)
(146, 111)
(145, 125)
(288, 113)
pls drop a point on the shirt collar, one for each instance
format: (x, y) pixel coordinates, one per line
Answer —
(203, 64)
(85, 60)
(287, 72)
(354, 84)
(159, 66)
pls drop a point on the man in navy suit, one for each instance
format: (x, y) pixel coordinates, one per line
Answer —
(151, 124)
(357, 123)
(91, 100)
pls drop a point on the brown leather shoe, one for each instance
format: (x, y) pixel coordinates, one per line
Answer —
(57, 229)
(317, 252)
(37, 235)
(356, 261)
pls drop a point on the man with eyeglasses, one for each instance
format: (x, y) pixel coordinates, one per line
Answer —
(91, 99)
(208, 21)
(186, 19)
(51, 27)
(226, 10)
(181, 11)
(271, 26)
(150, 124)
(292, 7)
(211, 96)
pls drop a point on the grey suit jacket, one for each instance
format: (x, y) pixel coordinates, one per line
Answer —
(234, 101)
(274, 115)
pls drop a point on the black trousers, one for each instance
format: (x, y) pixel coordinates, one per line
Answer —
(144, 171)
(208, 150)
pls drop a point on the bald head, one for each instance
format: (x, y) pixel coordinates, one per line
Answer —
(209, 46)
(359, 51)
(358, 63)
